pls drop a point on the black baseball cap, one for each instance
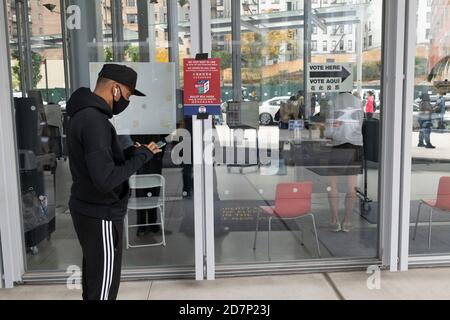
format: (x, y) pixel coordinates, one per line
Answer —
(123, 75)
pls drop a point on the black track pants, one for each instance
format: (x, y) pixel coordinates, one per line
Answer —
(101, 243)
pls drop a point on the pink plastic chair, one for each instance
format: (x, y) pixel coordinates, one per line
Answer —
(292, 201)
(441, 203)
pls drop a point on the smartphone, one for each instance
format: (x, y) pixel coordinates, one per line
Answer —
(161, 144)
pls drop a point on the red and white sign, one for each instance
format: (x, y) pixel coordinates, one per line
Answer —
(201, 85)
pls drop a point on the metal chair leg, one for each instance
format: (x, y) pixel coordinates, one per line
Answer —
(256, 230)
(417, 220)
(302, 231)
(127, 236)
(268, 238)
(429, 228)
(316, 235)
(161, 210)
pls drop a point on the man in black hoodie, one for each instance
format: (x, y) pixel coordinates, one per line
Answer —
(100, 172)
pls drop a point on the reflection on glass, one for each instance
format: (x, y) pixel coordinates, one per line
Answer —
(140, 36)
(294, 134)
(430, 192)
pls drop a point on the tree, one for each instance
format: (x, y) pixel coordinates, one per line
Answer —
(225, 58)
(132, 52)
(108, 54)
(36, 64)
(274, 41)
(421, 66)
(252, 49)
(372, 71)
(36, 60)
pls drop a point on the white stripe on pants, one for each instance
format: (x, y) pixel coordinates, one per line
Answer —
(108, 258)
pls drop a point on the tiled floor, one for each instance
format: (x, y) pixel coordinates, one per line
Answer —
(414, 284)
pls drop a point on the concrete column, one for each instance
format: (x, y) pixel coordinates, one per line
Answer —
(85, 44)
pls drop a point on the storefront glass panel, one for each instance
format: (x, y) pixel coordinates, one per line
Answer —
(429, 219)
(297, 167)
(131, 32)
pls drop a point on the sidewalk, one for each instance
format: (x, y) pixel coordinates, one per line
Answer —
(414, 284)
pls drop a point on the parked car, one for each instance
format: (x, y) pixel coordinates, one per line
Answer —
(346, 125)
(269, 108)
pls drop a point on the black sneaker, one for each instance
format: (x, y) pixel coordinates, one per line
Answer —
(430, 147)
(421, 145)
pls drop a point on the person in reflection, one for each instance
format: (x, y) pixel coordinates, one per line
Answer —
(441, 109)
(370, 105)
(344, 128)
(425, 114)
(289, 110)
(100, 169)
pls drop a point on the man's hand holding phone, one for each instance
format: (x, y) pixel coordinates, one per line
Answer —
(153, 147)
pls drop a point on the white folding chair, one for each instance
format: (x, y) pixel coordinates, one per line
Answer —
(144, 203)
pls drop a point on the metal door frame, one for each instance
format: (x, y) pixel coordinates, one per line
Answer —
(11, 241)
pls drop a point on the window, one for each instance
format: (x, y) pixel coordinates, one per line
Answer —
(131, 3)
(132, 18)
(272, 72)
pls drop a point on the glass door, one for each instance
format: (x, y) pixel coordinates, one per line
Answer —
(296, 151)
(150, 37)
(429, 221)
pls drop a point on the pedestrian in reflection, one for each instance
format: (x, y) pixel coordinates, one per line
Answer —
(425, 123)
(370, 105)
(300, 99)
(289, 110)
(314, 100)
(345, 132)
(440, 109)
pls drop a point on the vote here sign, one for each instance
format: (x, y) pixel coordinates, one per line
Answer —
(330, 77)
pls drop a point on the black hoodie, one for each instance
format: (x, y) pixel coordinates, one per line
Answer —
(100, 167)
